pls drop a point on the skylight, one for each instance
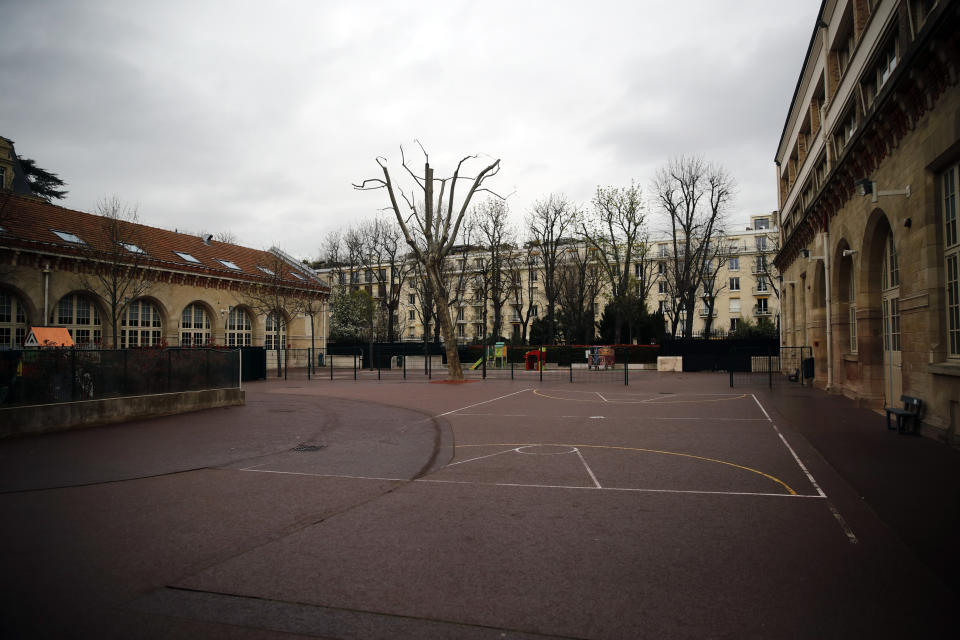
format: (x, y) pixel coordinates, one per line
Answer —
(269, 272)
(132, 248)
(187, 257)
(229, 264)
(297, 275)
(69, 237)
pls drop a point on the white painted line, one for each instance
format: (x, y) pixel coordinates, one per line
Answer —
(325, 475)
(851, 537)
(477, 404)
(790, 449)
(645, 418)
(626, 489)
(589, 470)
(601, 396)
(452, 464)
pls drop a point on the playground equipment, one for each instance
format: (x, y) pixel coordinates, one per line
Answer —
(535, 359)
(600, 358)
(496, 357)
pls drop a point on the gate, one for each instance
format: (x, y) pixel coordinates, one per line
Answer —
(770, 365)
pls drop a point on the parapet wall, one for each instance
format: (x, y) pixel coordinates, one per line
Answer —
(63, 416)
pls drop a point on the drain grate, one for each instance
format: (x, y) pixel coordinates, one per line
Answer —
(307, 447)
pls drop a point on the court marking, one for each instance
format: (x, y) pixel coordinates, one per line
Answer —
(651, 400)
(655, 418)
(658, 451)
(539, 486)
(477, 404)
(851, 536)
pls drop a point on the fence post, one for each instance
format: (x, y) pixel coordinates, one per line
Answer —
(730, 366)
(207, 367)
(769, 370)
(124, 385)
(239, 367)
(429, 366)
(330, 364)
(511, 369)
(541, 360)
(404, 356)
(626, 368)
(309, 361)
(73, 374)
(570, 357)
(168, 370)
(380, 356)
(354, 366)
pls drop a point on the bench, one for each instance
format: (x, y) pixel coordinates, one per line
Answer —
(908, 417)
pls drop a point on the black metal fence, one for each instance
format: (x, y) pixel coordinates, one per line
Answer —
(700, 354)
(45, 376)
(411, 361)
(770, 366)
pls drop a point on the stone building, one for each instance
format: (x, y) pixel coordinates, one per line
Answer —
(181, 289)
(868, 172)
(746, 286)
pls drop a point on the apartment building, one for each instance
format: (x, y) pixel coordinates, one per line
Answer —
(745, 286)
(867, 180)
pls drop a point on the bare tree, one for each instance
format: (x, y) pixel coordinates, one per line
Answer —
(694, 194)
(711, 286)
(114, 260)
(580, 283)
(614, 230)
(278, 299)
(430, 221)
(521, 268)
(490, 221)
(384, 256)
(549, 225)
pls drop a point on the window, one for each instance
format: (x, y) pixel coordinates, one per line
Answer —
(733, 264)
(132, 248)
(270, 272)
(846, 129)
(734, 324)
(662, 251)
(3, 177)
(885, 65)
(762, 309)
(297, 275)
(68, 237)
(461, 332)
(478, 330)
(13, 322)
(762, 285)
(187, 257)
(368, 276)
(761, 223)
(534, 311)
(272, 325)
(412, 298)
(891, 265)
(194, 326)
(239, 328)
(533, 275)
(661, 287)
(761, 243)
(760, 266)
(229, 264)
(951, 255)
(661, 268)
(460, 313)
(734, 305)
(140, 325)
(734, 284)
(80, 317)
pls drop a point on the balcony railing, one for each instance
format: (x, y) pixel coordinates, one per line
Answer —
(760, 312)
(703, 313)
(758, 269)
(761, 291)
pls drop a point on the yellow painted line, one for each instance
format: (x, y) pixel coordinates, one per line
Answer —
(647, 401)
(666, 453)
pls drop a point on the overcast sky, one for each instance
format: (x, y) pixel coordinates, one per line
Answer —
(256, 117)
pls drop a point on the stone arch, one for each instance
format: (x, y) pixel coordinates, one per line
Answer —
(22, 314)
(82, 332)
(845, 338)
(817, 318)
(869, 277)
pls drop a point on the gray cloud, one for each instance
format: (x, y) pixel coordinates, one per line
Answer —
(257, 118)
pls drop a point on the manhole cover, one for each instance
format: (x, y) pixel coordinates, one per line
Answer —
(308, 447)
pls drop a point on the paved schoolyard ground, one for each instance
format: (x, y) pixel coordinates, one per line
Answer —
(673, 507)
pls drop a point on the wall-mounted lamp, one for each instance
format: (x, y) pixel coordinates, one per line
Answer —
(908, 223)
(848, 252)
(804, 253)
(866, 186)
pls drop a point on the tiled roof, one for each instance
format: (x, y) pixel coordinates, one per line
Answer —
(29, 224)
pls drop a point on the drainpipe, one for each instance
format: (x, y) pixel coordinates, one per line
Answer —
(829, 304)
(46, 294)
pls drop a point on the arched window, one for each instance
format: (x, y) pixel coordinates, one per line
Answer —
(81, 318)
(239, 328)
(13, 321)
(194, 326)
(140, 325)
(271, 325)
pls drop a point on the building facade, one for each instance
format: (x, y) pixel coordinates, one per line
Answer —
(175, 289)
(745, 286)
(867, 178)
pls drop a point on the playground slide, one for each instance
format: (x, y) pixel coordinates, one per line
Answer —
(477, 363)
